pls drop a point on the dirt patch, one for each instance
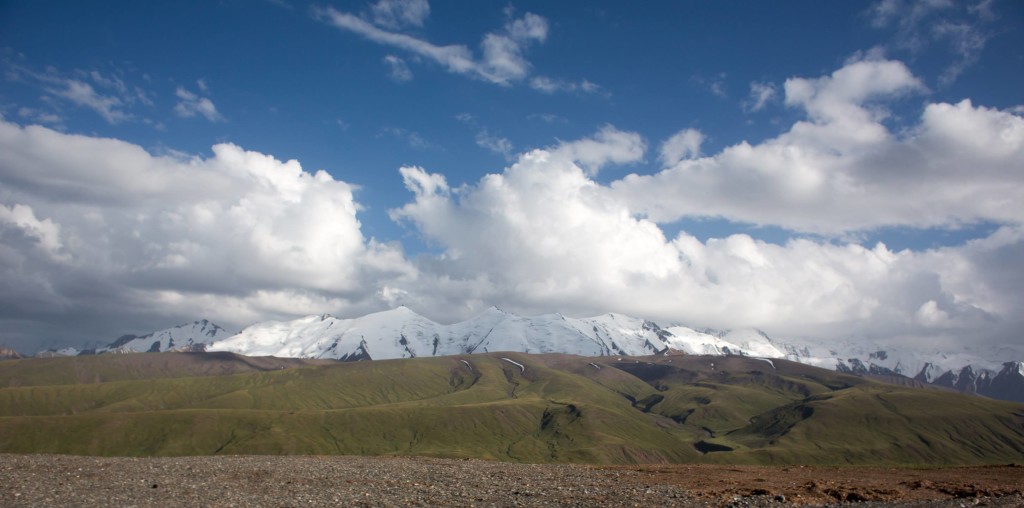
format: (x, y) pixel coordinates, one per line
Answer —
(802, 485)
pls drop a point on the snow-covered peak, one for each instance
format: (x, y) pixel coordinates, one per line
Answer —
(753, 343)
(186, 336)
(64, 351)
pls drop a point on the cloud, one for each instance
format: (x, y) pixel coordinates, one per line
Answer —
(549, 85)
(44, 232)
(484, 138)
(715, 84)
(919, 25)
(83, 94)
(841, 170)
(412, 138)
(455, 58)
(190, 104)
(398, 14)
(100, 236)
(542, 235)
(683, 145)
(501, 58)
(42, 117)
(966, 42)
(496, 144)
(551, 118)
(399, 70)
(760, 95)
(608, 146)
(105, 94)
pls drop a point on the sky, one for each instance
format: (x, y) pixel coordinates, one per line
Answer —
(838, 170)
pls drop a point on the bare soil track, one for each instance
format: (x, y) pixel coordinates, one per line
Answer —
(52, 480)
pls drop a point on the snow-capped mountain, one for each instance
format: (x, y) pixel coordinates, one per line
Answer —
(402, 333)
(185, 337)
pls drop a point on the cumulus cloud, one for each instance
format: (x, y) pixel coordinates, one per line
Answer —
(840, 170)
(501, 59)
(608, 146)
(543, 235)
(102, 227)
(98, 230)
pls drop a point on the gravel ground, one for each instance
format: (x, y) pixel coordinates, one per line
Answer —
(272, 481)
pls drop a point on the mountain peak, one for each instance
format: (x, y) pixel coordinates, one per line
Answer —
(493, 310)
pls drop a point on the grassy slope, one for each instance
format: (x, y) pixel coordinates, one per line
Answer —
(562, 408)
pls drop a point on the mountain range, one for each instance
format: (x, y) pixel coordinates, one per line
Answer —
(402, 333)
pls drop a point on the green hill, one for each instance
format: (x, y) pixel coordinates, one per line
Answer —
(555, 408)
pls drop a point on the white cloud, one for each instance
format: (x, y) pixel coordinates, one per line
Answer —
(399, 70)
(45, 232)
(842, 171)
(83, 94)
(549, 85)
(501, 61)
(543, 236)
(683, 145)
(760, 95)
(608, 146)
(104, 93)
(551, 118)
(919, 25)
(714, 84)
(239, 236)
(129, 235)
(38, 116)
(496, 144)
(190, 104)
(413, 138)
(484, 138)
(966, 42)
(455, 58)
(397, 14)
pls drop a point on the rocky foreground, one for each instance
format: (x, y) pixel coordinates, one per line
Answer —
(275, 481)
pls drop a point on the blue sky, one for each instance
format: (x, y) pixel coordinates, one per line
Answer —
(644, 159)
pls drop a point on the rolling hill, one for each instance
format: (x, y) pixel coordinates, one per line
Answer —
(501, 406)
